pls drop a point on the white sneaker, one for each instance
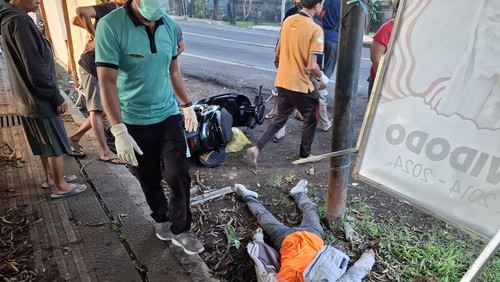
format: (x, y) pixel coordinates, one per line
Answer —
(301, 187)
(243, 192)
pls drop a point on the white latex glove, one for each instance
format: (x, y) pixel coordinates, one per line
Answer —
(324, 79)
(190, 120)
(125, 144)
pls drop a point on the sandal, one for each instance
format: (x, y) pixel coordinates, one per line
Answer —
(78, 153)
(77, 189)
(67, 178)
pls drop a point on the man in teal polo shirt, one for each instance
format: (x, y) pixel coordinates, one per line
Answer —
(136, 59)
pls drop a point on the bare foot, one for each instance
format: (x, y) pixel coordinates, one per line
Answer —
(74, 144)
(50, 181)
(110, 158)
(299, 116)
(252, 154)
(270, 115)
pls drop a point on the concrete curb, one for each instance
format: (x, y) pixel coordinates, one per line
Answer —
(120, 192)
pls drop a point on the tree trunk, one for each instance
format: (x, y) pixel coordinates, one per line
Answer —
(216, 10)
(247, 13)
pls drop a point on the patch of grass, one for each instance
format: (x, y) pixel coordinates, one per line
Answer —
(279, 181)
(492, 270)
(321, 206)
(244, 24)
(406, 252)
(269, 23)
(329, 238)
(291, 179)
(252, 23)
(279, 202)
(115, 226)
(276, 182)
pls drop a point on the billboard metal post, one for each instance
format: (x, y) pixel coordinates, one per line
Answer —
(346, 88)
(488, 252)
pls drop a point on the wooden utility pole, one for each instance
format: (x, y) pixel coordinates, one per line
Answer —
(346, 88)
(69, 43)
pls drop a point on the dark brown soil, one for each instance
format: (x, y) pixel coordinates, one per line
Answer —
(16, 250)
(273, 178)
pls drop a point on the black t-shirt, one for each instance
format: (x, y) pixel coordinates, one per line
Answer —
(103, 9)
(292, 11)
(87, 59)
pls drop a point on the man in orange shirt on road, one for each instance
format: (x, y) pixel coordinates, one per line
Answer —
(301, 42)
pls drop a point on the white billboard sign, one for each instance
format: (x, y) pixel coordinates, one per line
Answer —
(432, 135)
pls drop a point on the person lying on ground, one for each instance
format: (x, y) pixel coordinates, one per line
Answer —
(300, 248)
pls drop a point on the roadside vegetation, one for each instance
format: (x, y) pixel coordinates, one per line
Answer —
(408, 249)
(246, 24)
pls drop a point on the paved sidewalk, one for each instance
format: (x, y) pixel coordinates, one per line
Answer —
(103, 234)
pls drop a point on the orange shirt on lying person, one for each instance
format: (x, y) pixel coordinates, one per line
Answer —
(300, 36)
(297, 251)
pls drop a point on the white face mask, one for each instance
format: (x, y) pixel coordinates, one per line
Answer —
(152, 10)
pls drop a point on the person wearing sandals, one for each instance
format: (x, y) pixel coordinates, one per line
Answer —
(32, 76)
(88, 76)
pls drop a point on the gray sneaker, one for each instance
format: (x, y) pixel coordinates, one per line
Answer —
(301, 187)
(243, 192)
(188, 242)
(163, 231)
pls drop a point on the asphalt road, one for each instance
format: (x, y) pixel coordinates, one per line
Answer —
(239, 57)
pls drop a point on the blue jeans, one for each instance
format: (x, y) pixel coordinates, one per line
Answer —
(277, 230)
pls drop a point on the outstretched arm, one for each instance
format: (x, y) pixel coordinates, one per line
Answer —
(190, 119)
(84, 17)
(360, 268)
(178, 82)
(109, 93)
